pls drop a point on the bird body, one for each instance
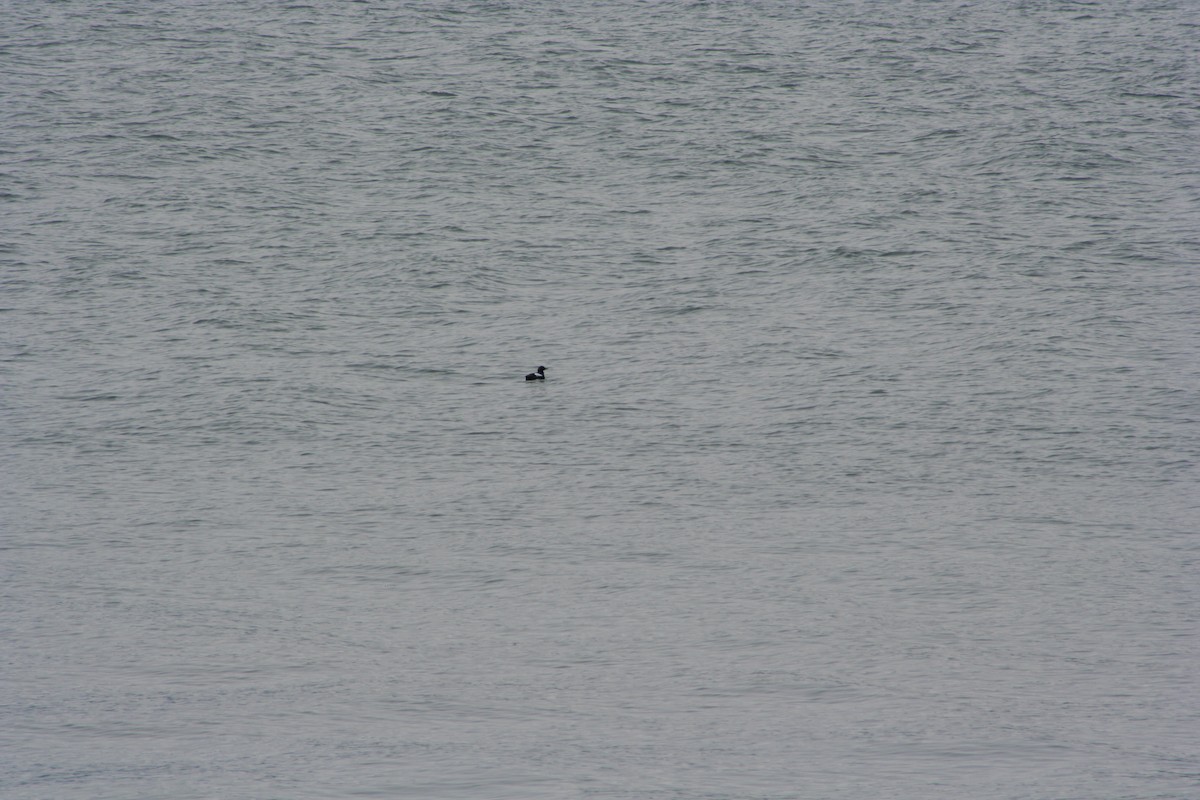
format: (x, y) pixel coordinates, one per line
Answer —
(540, 375)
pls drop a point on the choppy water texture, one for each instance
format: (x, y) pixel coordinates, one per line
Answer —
(865, 467)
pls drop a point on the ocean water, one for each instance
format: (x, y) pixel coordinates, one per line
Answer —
(865, 467)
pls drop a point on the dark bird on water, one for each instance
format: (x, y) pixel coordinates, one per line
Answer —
(540, 375)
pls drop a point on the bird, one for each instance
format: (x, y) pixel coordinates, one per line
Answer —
(540, 375)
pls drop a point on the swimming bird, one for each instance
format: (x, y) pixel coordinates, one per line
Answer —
(540, 375)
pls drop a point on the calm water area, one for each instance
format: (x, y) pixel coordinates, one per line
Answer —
(865, 467)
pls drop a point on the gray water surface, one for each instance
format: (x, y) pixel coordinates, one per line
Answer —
(865, 466)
